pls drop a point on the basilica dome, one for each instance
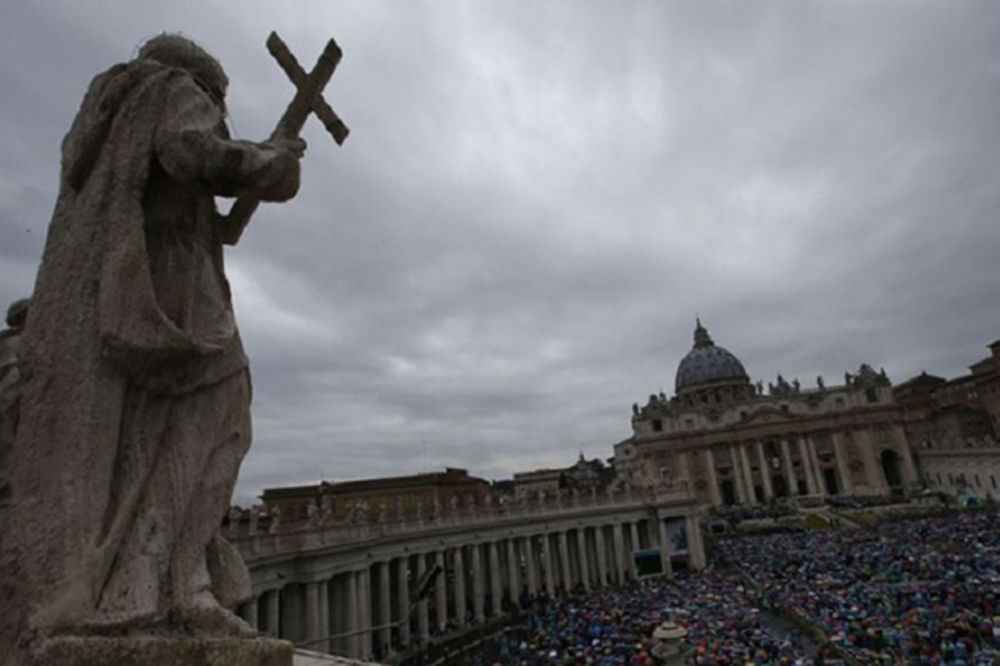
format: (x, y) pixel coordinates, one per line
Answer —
(706, 363)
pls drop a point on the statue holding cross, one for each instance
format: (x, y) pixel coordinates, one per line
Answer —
(134, 416)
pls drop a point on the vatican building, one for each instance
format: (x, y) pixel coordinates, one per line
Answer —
(731, 441)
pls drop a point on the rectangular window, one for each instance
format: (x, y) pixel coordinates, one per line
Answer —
(993, 480)
(657, 425)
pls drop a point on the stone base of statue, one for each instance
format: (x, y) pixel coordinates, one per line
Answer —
(162, 651)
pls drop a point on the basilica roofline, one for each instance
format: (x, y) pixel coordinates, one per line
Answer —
(776, 424)
(659, 418)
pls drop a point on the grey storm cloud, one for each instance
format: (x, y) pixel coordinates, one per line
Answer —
(537, 199)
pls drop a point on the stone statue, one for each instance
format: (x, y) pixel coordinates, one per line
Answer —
(312, 513)
(139, 388)
(819, 382)
(254, 520)
(275, 523)
(11, 378)
(326, 508)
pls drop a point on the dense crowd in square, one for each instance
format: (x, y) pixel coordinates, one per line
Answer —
(920, 591)
(614, 626)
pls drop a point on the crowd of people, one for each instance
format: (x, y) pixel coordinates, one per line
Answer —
(919, 591)
(615, 626)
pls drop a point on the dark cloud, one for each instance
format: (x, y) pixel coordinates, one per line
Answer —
(536, 200)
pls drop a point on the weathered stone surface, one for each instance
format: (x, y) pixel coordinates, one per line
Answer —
(135, 412)
(162, 651)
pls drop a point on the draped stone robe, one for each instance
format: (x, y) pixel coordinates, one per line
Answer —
(135, 415)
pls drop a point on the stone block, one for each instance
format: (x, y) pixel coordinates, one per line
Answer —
(162, 651)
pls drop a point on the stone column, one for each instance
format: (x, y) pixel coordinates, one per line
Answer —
(403, 600)
(581, 549)
(530, 568)
(353, 624)
(248, 611)
(668, 567)
(459, 566)
(715, 497)
(807, 465)
(873, 470)
(384, 608)
(765, 473)
(291, 616)
(365, 608)
(272, 611)
(696, 550)
(423, 628)
(324, 616)
(841, 456)
(685, 469)
(312, 614)
(548, 565)
(618, 538)
(739, 481)
(441, 593)
(496, 590)
(786, 456)
(817, 469)
(602, 554)
(751, 493)
(633, 530)
(910, 475)
(514, 571)
(478, 591)
(567, 576)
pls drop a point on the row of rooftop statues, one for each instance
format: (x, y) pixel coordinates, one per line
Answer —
(260, 519)
(125, 394)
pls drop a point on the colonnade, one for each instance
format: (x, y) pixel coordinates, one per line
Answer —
(392, 600)
(798, 465)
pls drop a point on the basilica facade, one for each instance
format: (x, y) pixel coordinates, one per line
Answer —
(734, 442)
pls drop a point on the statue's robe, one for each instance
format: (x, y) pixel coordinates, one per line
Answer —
(134, 416)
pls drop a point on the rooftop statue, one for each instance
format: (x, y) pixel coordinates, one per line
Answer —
(136, 413)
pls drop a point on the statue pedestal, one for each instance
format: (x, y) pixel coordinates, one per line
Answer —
(162, 651)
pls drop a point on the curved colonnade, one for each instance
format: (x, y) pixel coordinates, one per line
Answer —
(353, 590)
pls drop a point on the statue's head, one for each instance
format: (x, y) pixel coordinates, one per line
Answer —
(178, 51)
(17, 313)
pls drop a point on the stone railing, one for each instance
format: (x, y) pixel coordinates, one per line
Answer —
(256, 538)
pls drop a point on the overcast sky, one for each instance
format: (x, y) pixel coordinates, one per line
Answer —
(537, 199)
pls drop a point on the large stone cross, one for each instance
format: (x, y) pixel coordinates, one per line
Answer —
(309, 95)
(308, 99)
